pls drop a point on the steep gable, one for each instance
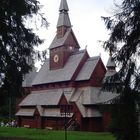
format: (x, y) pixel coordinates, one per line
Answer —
(68, 39)
(45, 75)
(98, 74)
(87, 69)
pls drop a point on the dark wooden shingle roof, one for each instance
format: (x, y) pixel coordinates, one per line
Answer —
(49, 97)
(88, 69)
(45, 75)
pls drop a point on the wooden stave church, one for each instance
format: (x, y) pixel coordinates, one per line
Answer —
(68, 86)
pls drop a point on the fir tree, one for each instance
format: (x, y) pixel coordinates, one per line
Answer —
(124, 43)
(17, 42)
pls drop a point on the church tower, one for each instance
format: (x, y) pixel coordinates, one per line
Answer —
(65, 42)
(63, 23)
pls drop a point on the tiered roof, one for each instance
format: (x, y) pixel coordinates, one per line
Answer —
(84, 98)
(78, 65)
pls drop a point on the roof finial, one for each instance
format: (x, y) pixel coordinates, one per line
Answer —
(110, 52)
(63, 6)
(86, 47)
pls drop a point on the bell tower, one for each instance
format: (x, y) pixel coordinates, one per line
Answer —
(63, 22)
(65, 42)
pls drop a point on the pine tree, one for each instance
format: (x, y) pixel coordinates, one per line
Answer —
(17, 42)
(124, 43)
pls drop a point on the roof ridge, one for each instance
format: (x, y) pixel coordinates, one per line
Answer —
(79, 51)
(94, 57)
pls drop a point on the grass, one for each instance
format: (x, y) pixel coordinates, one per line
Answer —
(37, 134)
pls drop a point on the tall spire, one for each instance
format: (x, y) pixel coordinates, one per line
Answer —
(63, 6)
(63, 16)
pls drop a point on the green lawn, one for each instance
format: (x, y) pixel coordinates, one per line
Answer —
(38, 134)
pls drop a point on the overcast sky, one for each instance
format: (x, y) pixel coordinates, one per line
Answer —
(85, 16)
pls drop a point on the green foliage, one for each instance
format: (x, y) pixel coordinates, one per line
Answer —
(38, 134)
(124, 43)
(124, 120)
(17, 42)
